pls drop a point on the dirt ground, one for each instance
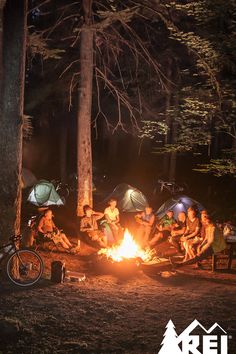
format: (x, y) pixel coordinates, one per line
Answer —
(109, 313)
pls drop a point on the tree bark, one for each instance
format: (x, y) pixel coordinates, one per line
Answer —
(2, 4)
(84, 149)
(173, 154)
(11, 114)
(166, 156)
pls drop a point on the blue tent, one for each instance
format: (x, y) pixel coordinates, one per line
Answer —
(178, 204)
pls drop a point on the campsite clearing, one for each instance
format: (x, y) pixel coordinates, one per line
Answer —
(105, 314)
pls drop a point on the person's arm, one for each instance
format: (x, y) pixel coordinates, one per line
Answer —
(193, 234)
(151, 221)
(40, 225)
(107, 218)
(178, 232)
(117, 218)
(54, 227)
(137, 218)
(184, 236)
(98, 215)
(209, 239)
(83, 227)
(210, 236)
(204, 242)
(159, 226)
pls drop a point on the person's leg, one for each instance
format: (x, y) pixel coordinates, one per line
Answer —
(139, 235)
(120, 232)
(101, 239)
(115, 231)
(190, 249)
(185, 246)
(103, 242)
(157, 238)
(203, 255)
(65, 240)
(175, 241)
(64, 244)
(146, 235)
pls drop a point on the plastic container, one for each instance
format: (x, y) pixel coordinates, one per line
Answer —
(74, 277)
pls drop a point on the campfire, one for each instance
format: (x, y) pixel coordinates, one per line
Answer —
(127, 249)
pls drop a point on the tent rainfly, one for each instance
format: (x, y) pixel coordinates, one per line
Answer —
(177, 204)
(129, 199)
(44, 194)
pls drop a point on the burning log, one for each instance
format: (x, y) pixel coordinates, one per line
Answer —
(126, 250)
(127, 257)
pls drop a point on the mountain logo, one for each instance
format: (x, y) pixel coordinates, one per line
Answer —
(213, 340)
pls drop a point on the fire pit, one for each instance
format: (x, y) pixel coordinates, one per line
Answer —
(127, 257)
(128, 249)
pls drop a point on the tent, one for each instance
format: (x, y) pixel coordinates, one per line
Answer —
(44, 194)
(129, 199)
(177, 204)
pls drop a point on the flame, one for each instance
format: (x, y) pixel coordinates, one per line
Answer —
(127, 249)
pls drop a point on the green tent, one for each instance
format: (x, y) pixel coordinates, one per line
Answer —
(44, 194)
(129, 199)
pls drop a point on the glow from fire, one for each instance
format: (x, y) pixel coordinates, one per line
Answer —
(127, 249)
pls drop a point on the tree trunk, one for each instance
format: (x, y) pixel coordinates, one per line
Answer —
(84, 149)
(166, 156)
(11, 114)
(174, 135)
(2, 4)
(173, 154)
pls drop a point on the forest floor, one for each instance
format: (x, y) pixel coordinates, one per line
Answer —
(111, 314)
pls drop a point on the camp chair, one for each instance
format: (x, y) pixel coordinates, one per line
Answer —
(40, 242)
(37, 241)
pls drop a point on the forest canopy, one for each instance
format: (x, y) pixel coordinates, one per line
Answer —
(168, 66)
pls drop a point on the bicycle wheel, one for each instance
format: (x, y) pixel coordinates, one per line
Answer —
(24, 267)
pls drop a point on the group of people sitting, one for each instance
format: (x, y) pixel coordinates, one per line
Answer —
(111, 218)
(48, 231)
(194, 236)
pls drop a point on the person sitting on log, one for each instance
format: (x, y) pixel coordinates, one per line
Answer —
(164, 228)
(47, 230)
(89, 225)
(198, 240)
(145, 220)
(112, 216)
(178, 230)
(213, 243)
(192, 233)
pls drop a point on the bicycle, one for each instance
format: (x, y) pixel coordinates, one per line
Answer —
(167, 186)
(62, 189)
(24, 267)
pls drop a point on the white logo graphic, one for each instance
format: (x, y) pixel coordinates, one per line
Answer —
(212, 341)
